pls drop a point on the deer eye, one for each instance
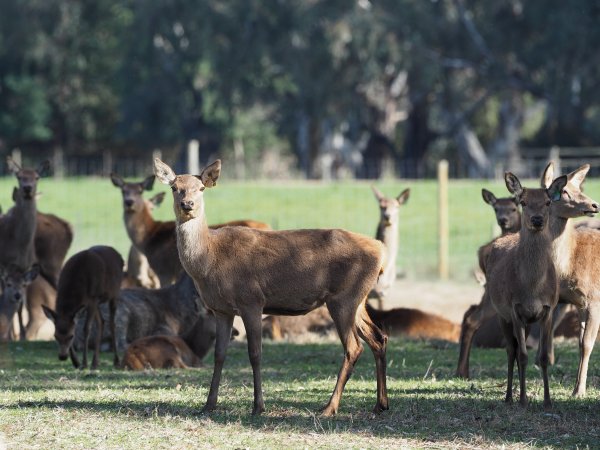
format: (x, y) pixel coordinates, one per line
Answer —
(202, 188)
(173, 188)
(522, 202)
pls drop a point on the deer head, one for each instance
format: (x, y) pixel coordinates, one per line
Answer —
(27, 178)
(571, 202)
(132, 192)
(535, 202)
(14, 282)
(389, 207)
(64, 331)
(188, 190)
(506, 209)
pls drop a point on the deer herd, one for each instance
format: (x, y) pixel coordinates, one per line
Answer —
(186, 280)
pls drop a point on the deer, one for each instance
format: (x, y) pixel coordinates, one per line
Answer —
(245, 271)
(159, 352)
(414, 323)
(172, 310)
(571, 204)
(90, 277)
(523, 283)
(156, 240)
(387, 232)
(14, 282)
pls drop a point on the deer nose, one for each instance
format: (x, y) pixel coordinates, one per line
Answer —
(537, 221)
(27, 189)
(17, 296)
(595, 206)
(502, 221)
(187, 205)
(128, 203)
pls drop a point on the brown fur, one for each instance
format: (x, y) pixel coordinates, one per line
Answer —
(159, 352)
(89, 278)
(155, 239)
(278, 328)
(414, 323)
(244, 271)
(573, 203)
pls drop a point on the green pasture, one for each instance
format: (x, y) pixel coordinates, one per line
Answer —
(94, 208)
(45, 403)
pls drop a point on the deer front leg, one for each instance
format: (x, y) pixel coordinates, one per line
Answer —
(253, 324)
(224, 325)
(473, 319)
(521, 334)
(89, 316)
(22, 330)
(112, 307)
(590, 320)
(546, 331)
(74, 358)
(511, 353)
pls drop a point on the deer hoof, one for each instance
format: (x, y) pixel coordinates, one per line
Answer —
(547, 405)
(508, 400)
(523, 402)
(258, 410)
(380, 407)
(328, 411)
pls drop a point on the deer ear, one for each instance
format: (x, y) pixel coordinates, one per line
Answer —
(13, 167)
(158, 199)
(547, 175)
(378, 195)
(513, 184)
(555, 189)
(15, 193)
(210, 174)
(50, 314)
(32, 273)
(116, 180)
(148, 183)
(163, 172)
(577, 177)
(488, 197)
(43, 169)
(403, 197)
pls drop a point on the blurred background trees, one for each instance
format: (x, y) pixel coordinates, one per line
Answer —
(327, 88)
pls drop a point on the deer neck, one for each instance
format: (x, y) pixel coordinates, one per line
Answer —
(388, 234)
(534, 256)
(139, 224)
(193, 239)
(563, 244)
(24, 214)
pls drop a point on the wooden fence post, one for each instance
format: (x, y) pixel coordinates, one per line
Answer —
(443, 229)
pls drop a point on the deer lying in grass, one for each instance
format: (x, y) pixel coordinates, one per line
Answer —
(522, 281)
(159, 352)
(387, 232)
(155, 239)
(572, 203)
(89, 278)
(414, 323)
(244, 271)
(316, 321)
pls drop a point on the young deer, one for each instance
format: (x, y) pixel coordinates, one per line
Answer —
(387, 232)
(89, 278)
(572, 203)
(414, 324)
(154, 239)
(522, 283)
(244, 271)
(506, 210)
(159, 352)
(14, 282)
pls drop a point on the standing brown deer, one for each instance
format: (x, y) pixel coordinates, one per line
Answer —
(89, 278)
(245, 271)
(572, 203)
(522, 281)
(387, 232)
(155, 239)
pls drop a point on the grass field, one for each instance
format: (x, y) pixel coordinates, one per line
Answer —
(45, 403)
(94, 208)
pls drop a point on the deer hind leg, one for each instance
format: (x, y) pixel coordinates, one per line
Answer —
(472, 321)
(112, 307)
(224, 325)
(377, 342)
(344, 320)
(253, 324)
(590, 320)
(98, 342)
(511, 353)
(546, 331)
